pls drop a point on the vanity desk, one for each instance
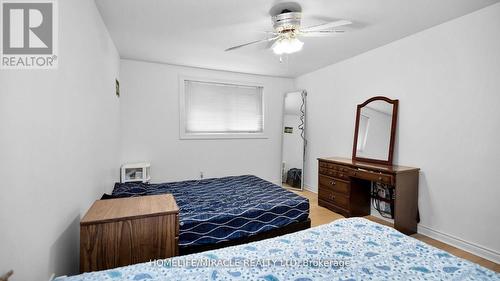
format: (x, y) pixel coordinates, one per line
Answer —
(344, 186)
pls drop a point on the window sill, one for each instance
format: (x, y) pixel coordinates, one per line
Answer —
(211, 136)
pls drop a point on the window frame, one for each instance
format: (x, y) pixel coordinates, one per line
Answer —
(182, 111)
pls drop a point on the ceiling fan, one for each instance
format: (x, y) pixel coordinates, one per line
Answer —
(287, 30)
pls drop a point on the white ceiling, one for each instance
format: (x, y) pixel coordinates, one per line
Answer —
(196, 32)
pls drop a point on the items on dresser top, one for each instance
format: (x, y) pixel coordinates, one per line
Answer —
(219, 210)
(124, 231)
(346, 249)
(344, 186)
(375, 130)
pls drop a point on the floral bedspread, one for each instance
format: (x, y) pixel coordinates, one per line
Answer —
(346, 249)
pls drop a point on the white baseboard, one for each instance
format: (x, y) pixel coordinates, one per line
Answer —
(470, 247)
(278, 183)
(310, 188)
(450, 240)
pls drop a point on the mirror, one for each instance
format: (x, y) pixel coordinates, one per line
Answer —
(293, 141)
(375, 130)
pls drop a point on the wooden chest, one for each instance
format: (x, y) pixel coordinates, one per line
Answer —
(119, 232)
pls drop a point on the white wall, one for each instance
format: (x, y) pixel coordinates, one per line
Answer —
(447, 79)
(58, 146)
(150, 126)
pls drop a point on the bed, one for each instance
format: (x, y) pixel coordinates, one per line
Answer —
(221, 212)
(346, 249)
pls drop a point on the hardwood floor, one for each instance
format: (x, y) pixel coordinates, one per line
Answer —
(320, 215)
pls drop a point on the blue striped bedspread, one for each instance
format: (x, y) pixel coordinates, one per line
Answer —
(346, 249)
(222, 209)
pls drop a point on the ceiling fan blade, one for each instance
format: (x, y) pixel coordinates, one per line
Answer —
(326, 26)
(270, 43)
(250, 43)
(273, 33)
(321, 33)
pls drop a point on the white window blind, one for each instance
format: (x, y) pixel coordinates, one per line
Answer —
(218, 108)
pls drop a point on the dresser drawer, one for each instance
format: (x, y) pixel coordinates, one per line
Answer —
(334, 172)
(340, 168)
(323, 171)
(335, 198)
(372, 176)
(334, 208)
(333, 167)
(334, 185)
(327, 172)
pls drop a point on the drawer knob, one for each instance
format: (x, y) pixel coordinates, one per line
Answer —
(333, 183)
(341, 175)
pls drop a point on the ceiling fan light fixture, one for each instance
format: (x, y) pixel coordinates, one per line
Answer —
(287, 46)
(287, 28)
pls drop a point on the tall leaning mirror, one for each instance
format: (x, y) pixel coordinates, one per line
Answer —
(375, 130)
(294, 140)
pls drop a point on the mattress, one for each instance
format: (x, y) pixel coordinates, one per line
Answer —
(222, 209)
(346, 249)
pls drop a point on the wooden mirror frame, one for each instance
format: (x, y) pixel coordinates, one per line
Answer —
(393, 131)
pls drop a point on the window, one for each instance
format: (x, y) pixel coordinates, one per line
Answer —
(221, 110)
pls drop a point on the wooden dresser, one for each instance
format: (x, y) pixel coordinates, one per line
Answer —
(119, 232)
(344, 187)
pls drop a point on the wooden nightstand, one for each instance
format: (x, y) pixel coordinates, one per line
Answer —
(119, 232)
